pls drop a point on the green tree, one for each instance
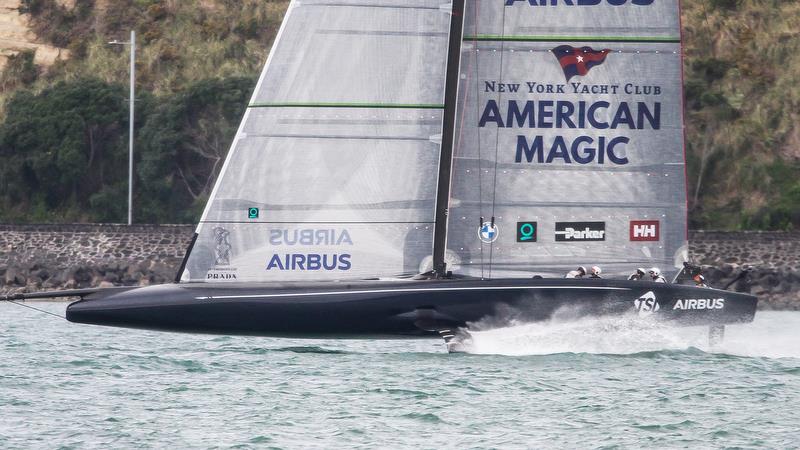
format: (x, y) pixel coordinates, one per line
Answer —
(63, 149)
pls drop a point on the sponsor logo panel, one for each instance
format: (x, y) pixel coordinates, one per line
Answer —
(314, 260)
(645, 231)
(488, 232)
(222, 257)
(646, 304)
(699, 304)
(580, 231)
(593, 88)
(527, 231)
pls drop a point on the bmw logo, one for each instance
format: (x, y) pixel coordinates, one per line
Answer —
(488, 233)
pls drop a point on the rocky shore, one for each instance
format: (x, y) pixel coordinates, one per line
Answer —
(37, 257)
(772, 258)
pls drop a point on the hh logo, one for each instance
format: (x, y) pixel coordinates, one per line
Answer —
(645, 230)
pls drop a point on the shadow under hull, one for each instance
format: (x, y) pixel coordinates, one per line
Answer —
(372, 309)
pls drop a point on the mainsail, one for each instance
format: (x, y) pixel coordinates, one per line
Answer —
(333, 172)
(569, 148)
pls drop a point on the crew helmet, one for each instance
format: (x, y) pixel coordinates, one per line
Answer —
(596, 270)
(582, 270)
(699, 279)
(641, 272)
(654, 272)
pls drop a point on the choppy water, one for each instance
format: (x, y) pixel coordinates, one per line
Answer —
(593, 384)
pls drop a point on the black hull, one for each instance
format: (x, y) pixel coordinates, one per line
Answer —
(400, 309)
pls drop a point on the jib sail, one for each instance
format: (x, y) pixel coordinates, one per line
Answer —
(333, 172)
(569, 148)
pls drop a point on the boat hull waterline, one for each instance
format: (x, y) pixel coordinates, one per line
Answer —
(400, 309)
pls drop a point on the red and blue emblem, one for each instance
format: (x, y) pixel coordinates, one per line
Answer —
(578, 61)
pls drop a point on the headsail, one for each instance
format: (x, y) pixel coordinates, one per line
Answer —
(571, 138)
(333, 172)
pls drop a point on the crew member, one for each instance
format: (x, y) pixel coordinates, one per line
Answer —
(700, 281)
(638, 275)
(655, 274)
(580, 272)
(594, 272)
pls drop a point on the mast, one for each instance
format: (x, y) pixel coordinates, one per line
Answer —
(448, 136)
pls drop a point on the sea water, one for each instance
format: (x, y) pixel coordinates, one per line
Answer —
(607, 383)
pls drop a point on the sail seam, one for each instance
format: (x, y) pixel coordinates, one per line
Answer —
(526, 38)
(330, 136)
(369, 5)
(348, 105)
(320, 222)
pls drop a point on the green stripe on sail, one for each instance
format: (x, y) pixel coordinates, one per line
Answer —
(348, 105)
(524, 38)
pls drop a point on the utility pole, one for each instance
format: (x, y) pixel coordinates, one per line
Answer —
(131, 106)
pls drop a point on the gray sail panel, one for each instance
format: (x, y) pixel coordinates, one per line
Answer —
(307, 252)
(528, 148)
(334, 165)
(375, 52)
(332, 174)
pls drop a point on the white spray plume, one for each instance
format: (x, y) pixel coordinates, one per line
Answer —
(772, 335)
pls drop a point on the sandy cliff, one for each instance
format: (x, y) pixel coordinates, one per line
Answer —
(16, 35)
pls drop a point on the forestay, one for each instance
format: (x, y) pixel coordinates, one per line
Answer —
(570, 136)
(333, 172)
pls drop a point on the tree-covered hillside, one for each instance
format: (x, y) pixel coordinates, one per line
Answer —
(63, 129)
(743, 103)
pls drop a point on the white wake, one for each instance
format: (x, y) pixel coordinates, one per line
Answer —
(772, 334)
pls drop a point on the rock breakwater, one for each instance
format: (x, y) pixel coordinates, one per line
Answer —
(37, 257)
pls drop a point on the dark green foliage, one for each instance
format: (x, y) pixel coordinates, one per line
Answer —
(710, 69)
(61, 146)
(65, 151)
(110, 204)
(783, 212)
(724, 4)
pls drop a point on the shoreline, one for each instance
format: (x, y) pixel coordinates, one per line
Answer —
(41, 257)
